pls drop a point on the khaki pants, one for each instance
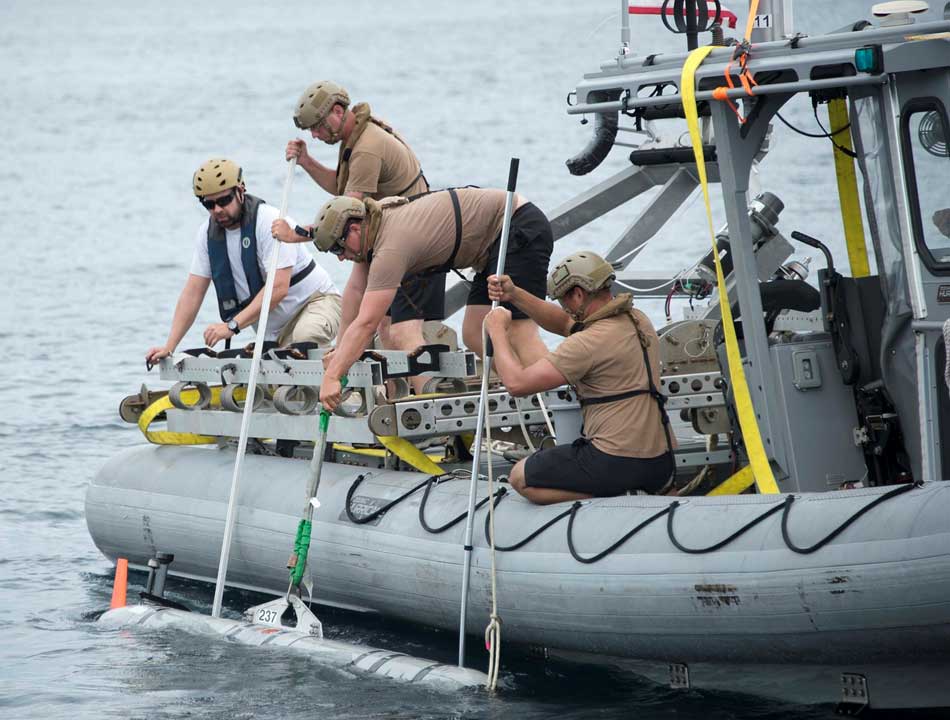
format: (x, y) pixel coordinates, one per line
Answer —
(317, 321)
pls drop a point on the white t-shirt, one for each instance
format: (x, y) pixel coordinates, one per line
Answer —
(295, 255)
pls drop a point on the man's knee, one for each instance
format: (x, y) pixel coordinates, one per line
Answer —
(517, 477)
(406, 335)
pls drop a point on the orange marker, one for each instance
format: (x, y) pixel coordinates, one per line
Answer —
(121, 580)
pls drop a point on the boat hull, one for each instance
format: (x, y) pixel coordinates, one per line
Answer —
(878, 595)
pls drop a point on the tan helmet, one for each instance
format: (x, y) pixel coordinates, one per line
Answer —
(215, 175)
(332, 218)
(317, 101)
(584, 269)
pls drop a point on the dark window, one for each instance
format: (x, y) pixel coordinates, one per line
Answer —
(928, 179)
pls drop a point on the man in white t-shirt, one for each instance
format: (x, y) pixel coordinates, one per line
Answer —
(232, 250)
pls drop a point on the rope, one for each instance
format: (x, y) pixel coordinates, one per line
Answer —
(493, 629)
(840, 529)
(571, 514)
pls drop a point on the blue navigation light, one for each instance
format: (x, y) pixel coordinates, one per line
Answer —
(869, 59)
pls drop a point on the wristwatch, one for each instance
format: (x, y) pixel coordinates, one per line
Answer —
(233, 326)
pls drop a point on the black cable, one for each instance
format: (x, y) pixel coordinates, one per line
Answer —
(529, 538)
(805, 133)
(373, 515)
(849, 153)
(721, 543)
(456, 520)
(838, 530)
(571, 513)
(599, 556)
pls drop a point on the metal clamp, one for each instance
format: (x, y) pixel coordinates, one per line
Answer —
(204, 395)
(229, 402)
(296, 399)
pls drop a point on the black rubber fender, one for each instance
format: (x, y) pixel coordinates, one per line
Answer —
(605, 131)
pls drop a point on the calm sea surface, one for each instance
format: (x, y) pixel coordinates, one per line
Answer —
(107, 109)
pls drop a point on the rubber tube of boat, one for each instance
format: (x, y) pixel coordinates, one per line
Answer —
(482, 403)
(605, 132)
(348, 657)
(249, 407)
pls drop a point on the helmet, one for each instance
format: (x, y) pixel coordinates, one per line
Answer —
(584, 269)
(215, 175)
(316, 103)
(331, 220)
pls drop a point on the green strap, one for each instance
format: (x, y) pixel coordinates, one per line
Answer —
(301, 550)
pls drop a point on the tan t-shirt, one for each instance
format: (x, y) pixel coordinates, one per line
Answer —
(381, 165)
(420, 235)
(604, 359)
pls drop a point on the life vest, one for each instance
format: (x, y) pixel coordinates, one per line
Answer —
(228, 303)
(363, 117)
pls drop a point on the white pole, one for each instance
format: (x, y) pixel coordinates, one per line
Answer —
(249, 405)
(482, 403)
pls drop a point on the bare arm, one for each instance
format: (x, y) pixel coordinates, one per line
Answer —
(252, 312)
(189, 302)
(219, 330)
(548, 315)
(351, 344)
(353, 296)
(520, 381)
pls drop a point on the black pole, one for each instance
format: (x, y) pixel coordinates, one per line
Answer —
(692, 34)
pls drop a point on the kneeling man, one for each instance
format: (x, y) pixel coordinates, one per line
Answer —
(611, 357)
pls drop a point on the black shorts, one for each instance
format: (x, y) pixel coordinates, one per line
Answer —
(530, 242)
(420, 297)
(582, 468)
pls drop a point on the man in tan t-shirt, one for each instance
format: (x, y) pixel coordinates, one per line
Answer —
(611, 357)
(376, 162)
(390, 240)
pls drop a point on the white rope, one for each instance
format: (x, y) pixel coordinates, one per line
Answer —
(493, 629)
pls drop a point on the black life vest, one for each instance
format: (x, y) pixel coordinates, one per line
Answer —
(228, 303)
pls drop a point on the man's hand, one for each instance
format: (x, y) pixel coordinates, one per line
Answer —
(500, 288)
(286, 234)
(331, 393)
(327, 357)
(297, 148)
(216, 332)
(498, 321)
(156, 353)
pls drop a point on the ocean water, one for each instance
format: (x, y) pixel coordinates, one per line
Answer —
(107, 109)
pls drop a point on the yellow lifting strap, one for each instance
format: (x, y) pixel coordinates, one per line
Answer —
(400, 447)
(735, 484)
(764, 479)
(378, 452)
(167, 437)
(848, 190)
(410, 454)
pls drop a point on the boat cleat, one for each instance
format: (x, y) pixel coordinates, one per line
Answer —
(277, 614)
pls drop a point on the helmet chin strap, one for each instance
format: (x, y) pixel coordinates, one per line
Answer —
(333, 136)
(364, 243)
(581, 312)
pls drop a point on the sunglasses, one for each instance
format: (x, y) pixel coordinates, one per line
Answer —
(219, 202)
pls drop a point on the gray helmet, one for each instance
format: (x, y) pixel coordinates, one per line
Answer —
(215, 175)
(332, 218)
(317, 101)
(584, 269)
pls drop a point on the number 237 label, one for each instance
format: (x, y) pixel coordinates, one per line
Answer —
(266, 616)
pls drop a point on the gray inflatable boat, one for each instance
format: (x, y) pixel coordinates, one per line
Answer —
(727, 580)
